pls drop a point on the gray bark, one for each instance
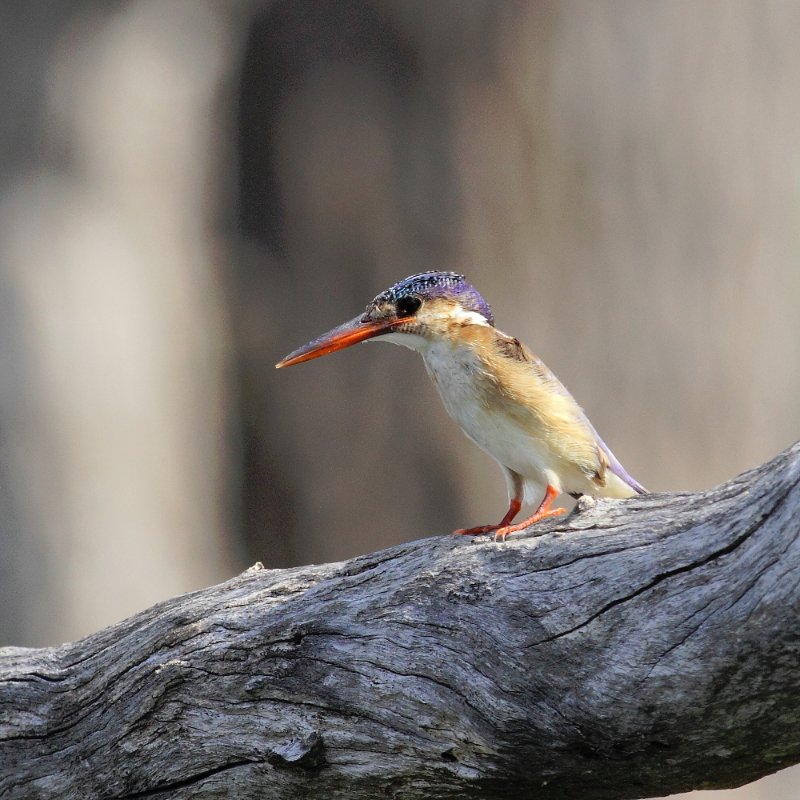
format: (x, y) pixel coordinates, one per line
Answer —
(636, 648)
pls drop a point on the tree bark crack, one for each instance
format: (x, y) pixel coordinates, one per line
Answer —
(186, 783)
(680, 570)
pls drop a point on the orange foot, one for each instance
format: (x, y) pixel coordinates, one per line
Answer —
(513, 509)
(504, 527)
(501, 533)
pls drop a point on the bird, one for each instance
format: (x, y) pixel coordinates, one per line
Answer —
(502, 395)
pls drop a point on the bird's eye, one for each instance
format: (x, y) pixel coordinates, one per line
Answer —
(407, 305)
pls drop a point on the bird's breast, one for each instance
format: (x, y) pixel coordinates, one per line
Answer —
(472, 397)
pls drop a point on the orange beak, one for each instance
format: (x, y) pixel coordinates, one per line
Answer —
(350, 333)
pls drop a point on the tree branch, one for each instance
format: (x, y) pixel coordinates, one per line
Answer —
(634, 649)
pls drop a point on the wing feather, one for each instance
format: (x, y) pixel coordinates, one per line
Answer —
(569, 428)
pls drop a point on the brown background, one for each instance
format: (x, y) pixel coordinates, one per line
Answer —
(189, 190)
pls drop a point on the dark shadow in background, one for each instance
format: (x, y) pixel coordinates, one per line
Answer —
(287, 41)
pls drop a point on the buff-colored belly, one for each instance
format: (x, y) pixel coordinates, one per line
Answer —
(483, 419)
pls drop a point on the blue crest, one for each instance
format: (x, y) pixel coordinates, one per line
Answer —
(439, 284)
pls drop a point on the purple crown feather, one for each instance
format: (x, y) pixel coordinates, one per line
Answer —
(439, 284)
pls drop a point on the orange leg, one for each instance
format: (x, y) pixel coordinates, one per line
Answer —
(542, 512)
(504, 527)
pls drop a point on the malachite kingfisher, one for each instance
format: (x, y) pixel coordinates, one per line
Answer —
(504, 398)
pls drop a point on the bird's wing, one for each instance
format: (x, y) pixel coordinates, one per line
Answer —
(613, 462)
(557, 405)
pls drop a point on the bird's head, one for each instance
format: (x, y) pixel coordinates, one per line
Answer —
(413, 312)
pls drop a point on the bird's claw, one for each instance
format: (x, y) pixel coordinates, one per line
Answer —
(502, 531)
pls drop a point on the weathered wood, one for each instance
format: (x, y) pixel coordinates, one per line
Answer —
(634, 649)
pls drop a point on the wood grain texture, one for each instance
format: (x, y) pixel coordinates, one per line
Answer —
(636, 648)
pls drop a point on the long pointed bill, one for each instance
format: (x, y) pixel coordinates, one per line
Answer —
(350, 333)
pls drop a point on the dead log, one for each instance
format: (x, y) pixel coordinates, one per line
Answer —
(633, 649)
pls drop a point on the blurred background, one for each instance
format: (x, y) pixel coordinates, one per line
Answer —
(190, 190)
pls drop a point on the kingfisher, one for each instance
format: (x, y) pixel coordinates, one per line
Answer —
(502, 395)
